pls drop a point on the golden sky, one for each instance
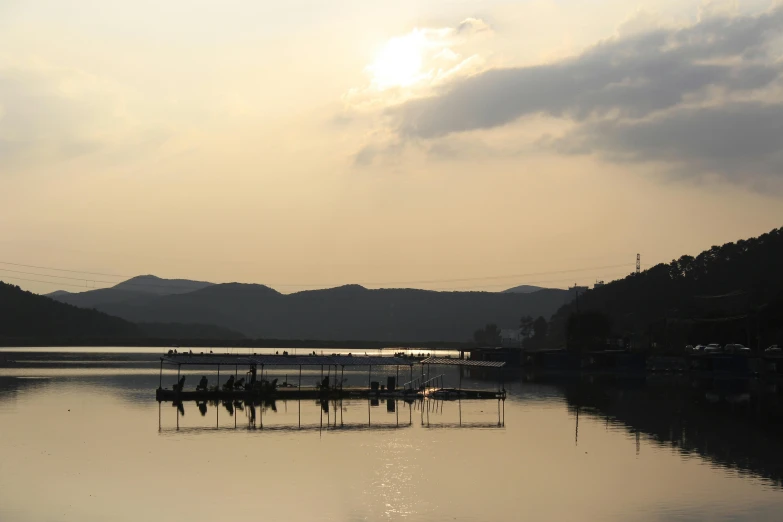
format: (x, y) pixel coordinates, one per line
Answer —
(446, 145)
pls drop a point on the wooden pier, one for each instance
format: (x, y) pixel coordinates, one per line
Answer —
(330, 386)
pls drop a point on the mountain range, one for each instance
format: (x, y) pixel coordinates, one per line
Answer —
(342, 313)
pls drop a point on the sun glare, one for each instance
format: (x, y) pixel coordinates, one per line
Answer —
(399, 63)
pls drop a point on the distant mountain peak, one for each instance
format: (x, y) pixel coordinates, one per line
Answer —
(152, 284)
(523, 289)
(57, 293)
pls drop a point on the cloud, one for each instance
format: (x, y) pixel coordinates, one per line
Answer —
(731, 140)
(702, 97)
(52, 114)
(414, 64)
(633, 76)
(470, 26)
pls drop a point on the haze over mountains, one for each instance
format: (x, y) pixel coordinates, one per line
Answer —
(342, 313)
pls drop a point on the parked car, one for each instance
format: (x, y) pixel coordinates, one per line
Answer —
(699, 348)
(736, 348)
(773, 349)
(713, 348)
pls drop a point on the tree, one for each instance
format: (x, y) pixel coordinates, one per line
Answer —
(488, 336)
(538, 339)
(588, 330)
(540, 328)
(526, 326)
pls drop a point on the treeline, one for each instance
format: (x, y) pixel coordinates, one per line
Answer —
(728, 294)
(24, 314)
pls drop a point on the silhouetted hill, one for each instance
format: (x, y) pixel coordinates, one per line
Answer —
(140, 289)
(57, 293)
(150, 284)
(27, 316)
(347, 312)
(523, 289)
(188, 331)
(727, 294)
(24, 315)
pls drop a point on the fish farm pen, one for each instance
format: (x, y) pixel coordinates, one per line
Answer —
(252, 383)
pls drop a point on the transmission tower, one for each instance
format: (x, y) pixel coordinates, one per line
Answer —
(638, 263)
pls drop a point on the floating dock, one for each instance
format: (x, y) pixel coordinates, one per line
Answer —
(330, 385)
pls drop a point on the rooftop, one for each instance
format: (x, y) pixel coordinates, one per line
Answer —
(463, 362)
(286, 360)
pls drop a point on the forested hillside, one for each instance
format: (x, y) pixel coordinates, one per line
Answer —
(25, 315)
(728, 294)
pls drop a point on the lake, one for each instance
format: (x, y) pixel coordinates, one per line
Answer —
(82, 438)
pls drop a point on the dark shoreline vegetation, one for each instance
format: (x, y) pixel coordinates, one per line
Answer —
(729, 294)
(209, 343)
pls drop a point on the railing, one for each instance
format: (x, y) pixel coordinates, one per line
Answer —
(419, 383)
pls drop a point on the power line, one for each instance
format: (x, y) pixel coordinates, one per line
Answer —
(38, 281)
(63, 269)
(57, 276)
(60, 283)
(434, 281)
(545, 281)
(88, 280)
(296, 285)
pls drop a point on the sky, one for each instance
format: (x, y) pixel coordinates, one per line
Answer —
(449, 144)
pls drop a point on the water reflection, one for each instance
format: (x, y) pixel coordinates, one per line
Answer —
(734, 423)
(430, 413)
(675, 447)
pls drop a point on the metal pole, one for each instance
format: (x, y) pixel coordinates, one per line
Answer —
(397, 382)
(411, 368)
(218, 382)
(300, 376)
(342, 378)
(369, 378)
(179, 366)
(460, 378)
(160, 386)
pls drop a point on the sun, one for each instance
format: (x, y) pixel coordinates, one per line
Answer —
(399, 63)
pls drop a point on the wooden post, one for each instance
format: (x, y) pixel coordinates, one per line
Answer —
(160, 385)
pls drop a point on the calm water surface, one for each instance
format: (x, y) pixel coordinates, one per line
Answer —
(82, 438)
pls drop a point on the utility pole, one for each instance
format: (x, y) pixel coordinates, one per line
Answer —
(638, 263)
